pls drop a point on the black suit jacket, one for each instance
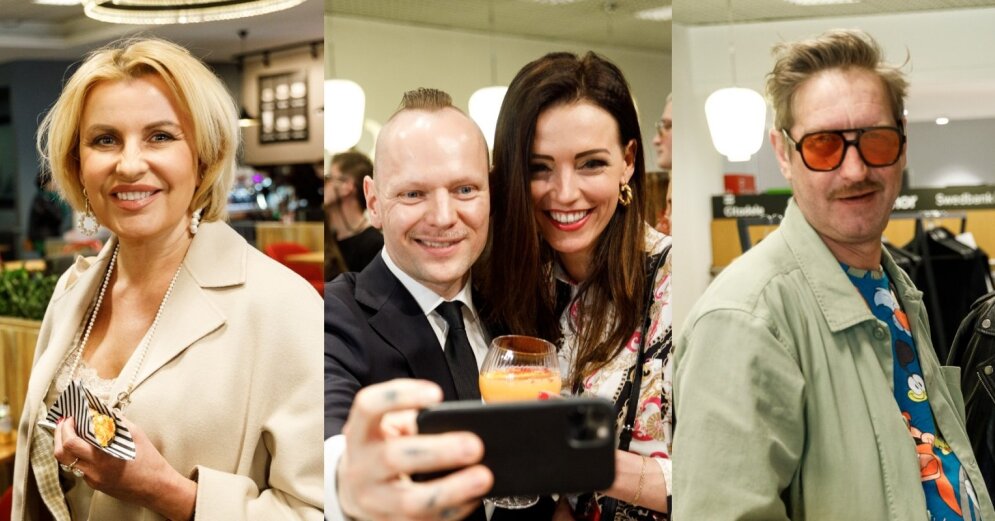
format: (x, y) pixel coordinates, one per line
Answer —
(374, 332)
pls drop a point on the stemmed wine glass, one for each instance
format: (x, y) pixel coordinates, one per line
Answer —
(518, 368)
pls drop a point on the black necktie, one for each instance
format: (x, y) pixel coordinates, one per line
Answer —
(459, 354)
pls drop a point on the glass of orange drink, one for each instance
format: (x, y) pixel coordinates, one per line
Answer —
(518, 368)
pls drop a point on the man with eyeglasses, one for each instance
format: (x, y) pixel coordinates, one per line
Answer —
(664, 139)
(806, 383)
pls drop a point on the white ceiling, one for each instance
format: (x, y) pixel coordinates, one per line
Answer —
(34, 31)
(603, 22)
(699, 12)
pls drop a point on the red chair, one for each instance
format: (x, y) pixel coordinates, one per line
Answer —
(7, 504)
(314, 273)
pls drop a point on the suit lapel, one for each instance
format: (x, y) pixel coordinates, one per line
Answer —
(70, 306)
(399, 320)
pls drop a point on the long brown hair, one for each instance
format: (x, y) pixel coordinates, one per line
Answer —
(517, 272)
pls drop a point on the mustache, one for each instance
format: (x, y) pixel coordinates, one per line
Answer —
(859, 188)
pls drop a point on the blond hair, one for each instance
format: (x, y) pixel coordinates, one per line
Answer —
(201, 96)
(796, 62)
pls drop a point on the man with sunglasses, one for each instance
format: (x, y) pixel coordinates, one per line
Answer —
(806, 384)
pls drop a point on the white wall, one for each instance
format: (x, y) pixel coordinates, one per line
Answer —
(387, 59)
(950, 70)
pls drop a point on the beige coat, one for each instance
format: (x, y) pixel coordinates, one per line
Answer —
(230, 390)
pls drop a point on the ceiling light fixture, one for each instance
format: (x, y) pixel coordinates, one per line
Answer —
(57, 2)
(942, 121)
(658, 14)
(736, 116)
(344, 108)
(163, 12)
(485, 102)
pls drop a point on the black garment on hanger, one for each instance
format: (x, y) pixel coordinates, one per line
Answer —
(952, 275)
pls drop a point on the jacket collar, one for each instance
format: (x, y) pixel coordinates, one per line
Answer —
(217, 258)
(401, 322)
(840, 303)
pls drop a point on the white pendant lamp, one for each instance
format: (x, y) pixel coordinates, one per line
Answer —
(485, 104)
(736, 119)
(345, 109)
(736, 116)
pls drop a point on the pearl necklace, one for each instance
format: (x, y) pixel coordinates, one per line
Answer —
(123, 398)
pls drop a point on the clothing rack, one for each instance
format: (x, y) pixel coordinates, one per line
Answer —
(935, 246)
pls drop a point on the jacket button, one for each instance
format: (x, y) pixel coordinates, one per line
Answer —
(988, 370)
(986, 323)
(879, 333)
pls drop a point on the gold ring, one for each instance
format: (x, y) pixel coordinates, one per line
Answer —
(72, 466)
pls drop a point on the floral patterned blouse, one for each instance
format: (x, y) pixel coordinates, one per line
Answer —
(653, 432)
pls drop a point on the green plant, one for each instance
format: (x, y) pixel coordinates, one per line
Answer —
(24, 294)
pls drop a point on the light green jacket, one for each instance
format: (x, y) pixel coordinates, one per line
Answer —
(783, 394)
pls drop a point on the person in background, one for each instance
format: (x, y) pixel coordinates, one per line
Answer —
(47, 214)
(203, 345)
(658, 200)
(664, 138)
(345, 207)
(973, 350)
(573, 260)
(806, 383)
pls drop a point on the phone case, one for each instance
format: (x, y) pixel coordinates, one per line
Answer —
(541, 447)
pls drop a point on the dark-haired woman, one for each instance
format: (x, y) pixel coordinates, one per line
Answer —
(568, 221)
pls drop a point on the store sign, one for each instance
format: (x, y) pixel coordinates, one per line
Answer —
(731, 206)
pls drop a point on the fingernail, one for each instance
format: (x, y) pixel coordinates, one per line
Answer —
(543, 395)
(469, 447)
(480, 481)
(431, 394)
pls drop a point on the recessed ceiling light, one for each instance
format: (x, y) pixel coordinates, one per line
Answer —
(942, 121)
(57, 2)
(821, 2)
(658, 14)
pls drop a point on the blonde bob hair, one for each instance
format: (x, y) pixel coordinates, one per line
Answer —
(201, 97)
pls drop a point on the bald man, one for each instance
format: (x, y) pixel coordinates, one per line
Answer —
(429, 196)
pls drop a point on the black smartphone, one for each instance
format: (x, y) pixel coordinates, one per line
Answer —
(535, 447)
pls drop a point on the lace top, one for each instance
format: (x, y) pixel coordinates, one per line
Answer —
(77, 492)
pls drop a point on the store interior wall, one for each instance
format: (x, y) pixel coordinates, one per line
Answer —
(946, 62)
(33, 85)
(388, 58)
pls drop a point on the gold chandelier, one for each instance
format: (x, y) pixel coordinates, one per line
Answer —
(161, 12)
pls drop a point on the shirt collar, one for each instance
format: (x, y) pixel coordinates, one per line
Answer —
(427, 299)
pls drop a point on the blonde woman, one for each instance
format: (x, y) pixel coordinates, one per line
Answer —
(206, 347)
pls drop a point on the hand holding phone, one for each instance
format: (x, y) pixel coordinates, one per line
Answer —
(379, 454)
(538, 447)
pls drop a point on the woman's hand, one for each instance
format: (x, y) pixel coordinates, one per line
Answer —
(148, 481)
(639, 477)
